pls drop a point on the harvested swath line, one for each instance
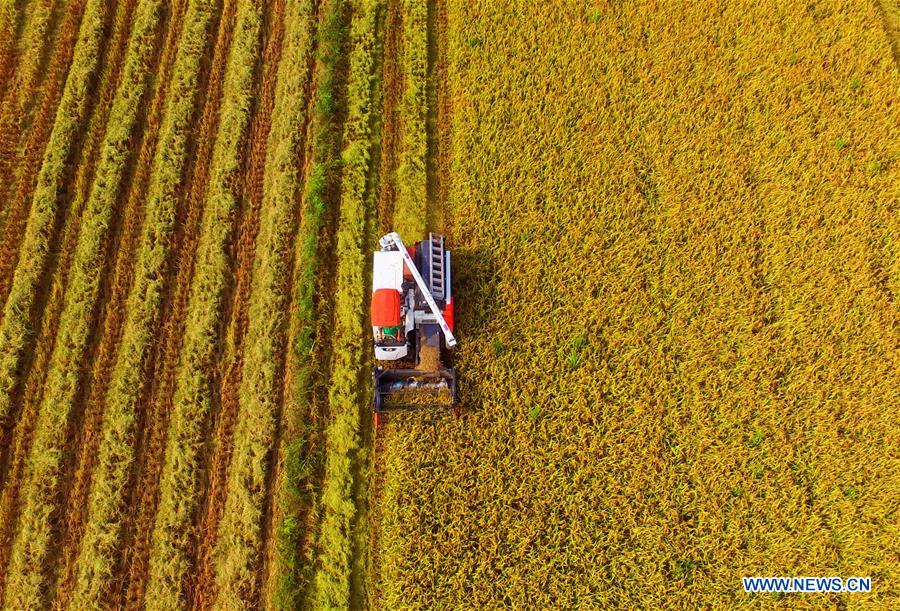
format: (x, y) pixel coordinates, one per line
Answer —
(410, 208)
(296, 492)
(21, 437)
(72, 217)
(31, 548)
(10, 20)
(80, 186)
(203, 589)
(27, 86)
(890, 14)
(238, 570)
(179, 494)
(84, 424)
(18, 192)
(51, 309)
(282, 184)
(393, 85)
(440, 116)
(56, 284)
(115, 292)
(14, 331)
(333, 578)
(76, 517)
(37, 76)
(153, 420)
(144, 296)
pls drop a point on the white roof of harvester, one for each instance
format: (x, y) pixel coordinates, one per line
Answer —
(387, 271)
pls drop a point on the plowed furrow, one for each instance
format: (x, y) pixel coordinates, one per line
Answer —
(203, 587)
(153, 421)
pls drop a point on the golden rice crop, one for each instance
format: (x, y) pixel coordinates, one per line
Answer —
(676, 262)
(45, 460)
(332, 581)
(179, 485)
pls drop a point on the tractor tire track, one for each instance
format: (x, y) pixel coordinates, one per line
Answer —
(236, 312)
(110, 322)
(153, 421)
(27, 167)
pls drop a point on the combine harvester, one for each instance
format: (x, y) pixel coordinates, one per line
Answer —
(412, 319)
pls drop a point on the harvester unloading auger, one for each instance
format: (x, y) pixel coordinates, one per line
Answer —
(412, 320)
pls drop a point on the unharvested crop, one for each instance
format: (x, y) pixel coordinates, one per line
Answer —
(676, 326)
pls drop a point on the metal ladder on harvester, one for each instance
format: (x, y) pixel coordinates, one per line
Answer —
(436, 266)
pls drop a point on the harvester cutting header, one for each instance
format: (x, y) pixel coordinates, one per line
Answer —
(412, 320)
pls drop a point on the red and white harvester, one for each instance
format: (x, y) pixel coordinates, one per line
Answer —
(412, 321)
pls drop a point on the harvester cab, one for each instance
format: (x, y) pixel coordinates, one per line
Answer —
(412, 322)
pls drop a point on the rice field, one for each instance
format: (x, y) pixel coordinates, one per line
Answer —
(675, 231)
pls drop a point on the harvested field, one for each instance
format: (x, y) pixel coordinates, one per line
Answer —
(674, 231)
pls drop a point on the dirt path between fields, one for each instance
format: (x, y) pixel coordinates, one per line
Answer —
(152, 421)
